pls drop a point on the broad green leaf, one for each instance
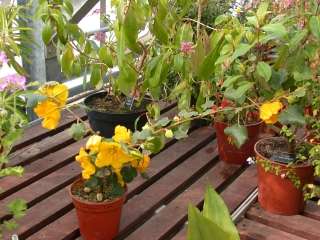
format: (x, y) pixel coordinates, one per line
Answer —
(207, 67)
(292, 115)
(238, 133)
(95, 77)
(77, 131)
(264, 71)
(18, 208)
(314, 25)
(262, 11)
(231, 80)
(201, 228)
(105, 56)
(297, 39)
(127, 79)
(67, 61)
(47, 33)
(155, 144)
(275, 29)
(239, 93)
(216, 210)
(241, 50)
(128, 173)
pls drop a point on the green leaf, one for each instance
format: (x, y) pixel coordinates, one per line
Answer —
(17, 208)
(231, 80)
(275, 29)
(47, 33)
(292, 115)
(128, 173)
(105, 56)
(67, 61)
(160, 31)
(216, 210)
(155, 144)
(162, 122)
(239, 93)
(95, 77)
(238, 133)
(10, 225)
(264, 70)
(241, 50)
(314, 25)
(12, 171)
(202, 228)
(127, 79)
(262, 11)
(207, 67)
(77, 131)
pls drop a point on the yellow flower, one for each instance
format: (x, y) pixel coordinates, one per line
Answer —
(50, 113)
(111, 154)
(93, 143)
(49, 109)
(269, 112)
(88, 169)
(141, 164)
(55, 92)
(122, 135)
(83, 156)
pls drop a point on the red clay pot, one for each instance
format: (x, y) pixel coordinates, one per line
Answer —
(98, 221)
(279, 195)
(229, 152)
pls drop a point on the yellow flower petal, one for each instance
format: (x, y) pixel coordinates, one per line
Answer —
(93, 143)
(83, 156)
(141, 164)
(50, 113)
(122, 135)
(269, 112)
(55, 92)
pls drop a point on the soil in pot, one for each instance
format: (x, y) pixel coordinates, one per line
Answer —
(228, 152)
(97, 220)
(105, 113)
(278, 189)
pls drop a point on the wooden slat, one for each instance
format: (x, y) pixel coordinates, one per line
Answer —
(312, 210)
(160, 165)
(37, 132)
(233, 195)
(174, 215)
(298, 225)
(250, 230)
(40, 168)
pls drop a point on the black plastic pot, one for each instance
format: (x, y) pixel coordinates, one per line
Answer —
(105, 122)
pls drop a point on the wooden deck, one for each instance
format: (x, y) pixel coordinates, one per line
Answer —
(157, 207)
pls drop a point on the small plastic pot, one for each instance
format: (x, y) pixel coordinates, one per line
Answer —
(105, 122)
(229, 152)
(97, 221)
(277, 193)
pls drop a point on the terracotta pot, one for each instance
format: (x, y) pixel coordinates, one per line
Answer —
(98, 221)
(229, 152)
(277, 194)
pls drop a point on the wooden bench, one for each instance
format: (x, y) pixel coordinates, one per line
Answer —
(156, 208)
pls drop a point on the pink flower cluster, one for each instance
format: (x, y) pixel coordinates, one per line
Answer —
(186, 47)
(13, 82)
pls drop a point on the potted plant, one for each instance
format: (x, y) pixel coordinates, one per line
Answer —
(287, 164)
(143, 64)
(108, 164)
